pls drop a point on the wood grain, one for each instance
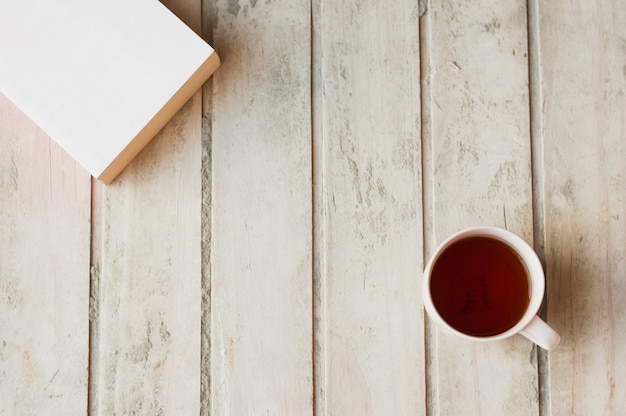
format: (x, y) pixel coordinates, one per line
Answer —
(148, 269)
(479, 173)
(583, 113)
(44, 272)
(260, 251)
(369, 322)
(263, 254)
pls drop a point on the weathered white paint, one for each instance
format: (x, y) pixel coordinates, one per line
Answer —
(148, 266)
(261, 262)
(147, 261)
(44, 272)
(479, 163)
(369, 321)
(583, 123)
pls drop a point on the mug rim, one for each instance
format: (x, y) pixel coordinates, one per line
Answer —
(527, 254)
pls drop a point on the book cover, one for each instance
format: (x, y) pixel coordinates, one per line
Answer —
(101, 78)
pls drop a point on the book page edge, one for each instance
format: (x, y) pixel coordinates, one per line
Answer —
(160, 119)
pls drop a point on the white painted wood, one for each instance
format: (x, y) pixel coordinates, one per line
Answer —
(101, 78)
(583, 123)
(261, 265)
(314, 303)
(44, 272)
(479, 170)
(369, 325)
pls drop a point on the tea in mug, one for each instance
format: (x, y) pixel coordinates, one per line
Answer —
(480, 286)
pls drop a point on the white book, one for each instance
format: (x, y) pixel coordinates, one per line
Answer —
(100, 77)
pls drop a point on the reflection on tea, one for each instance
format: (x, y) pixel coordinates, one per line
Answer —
(480, 286)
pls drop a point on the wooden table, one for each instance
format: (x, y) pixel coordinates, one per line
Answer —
(264, 254)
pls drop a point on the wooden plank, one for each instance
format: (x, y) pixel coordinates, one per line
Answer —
(44, 272)
(146, 245)
(148, 269)
(479, 173)
(260, 119)
(369, 324)
(583, 121)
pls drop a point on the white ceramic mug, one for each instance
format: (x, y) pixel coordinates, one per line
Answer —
(529, 325)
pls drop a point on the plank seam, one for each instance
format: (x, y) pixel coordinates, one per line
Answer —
(538, 179)
(93, 372)
(430, 373)
(319, 344)
(207, 13)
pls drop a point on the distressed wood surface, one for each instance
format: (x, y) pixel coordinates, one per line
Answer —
(44, 272)
(369, 347)
(582, 48)
(260, 251)
(147, 268)
(479, 173)
(263, 255)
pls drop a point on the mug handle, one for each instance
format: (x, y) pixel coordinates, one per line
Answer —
(541, 334)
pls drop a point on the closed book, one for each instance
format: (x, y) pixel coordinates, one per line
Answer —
(101, 78)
